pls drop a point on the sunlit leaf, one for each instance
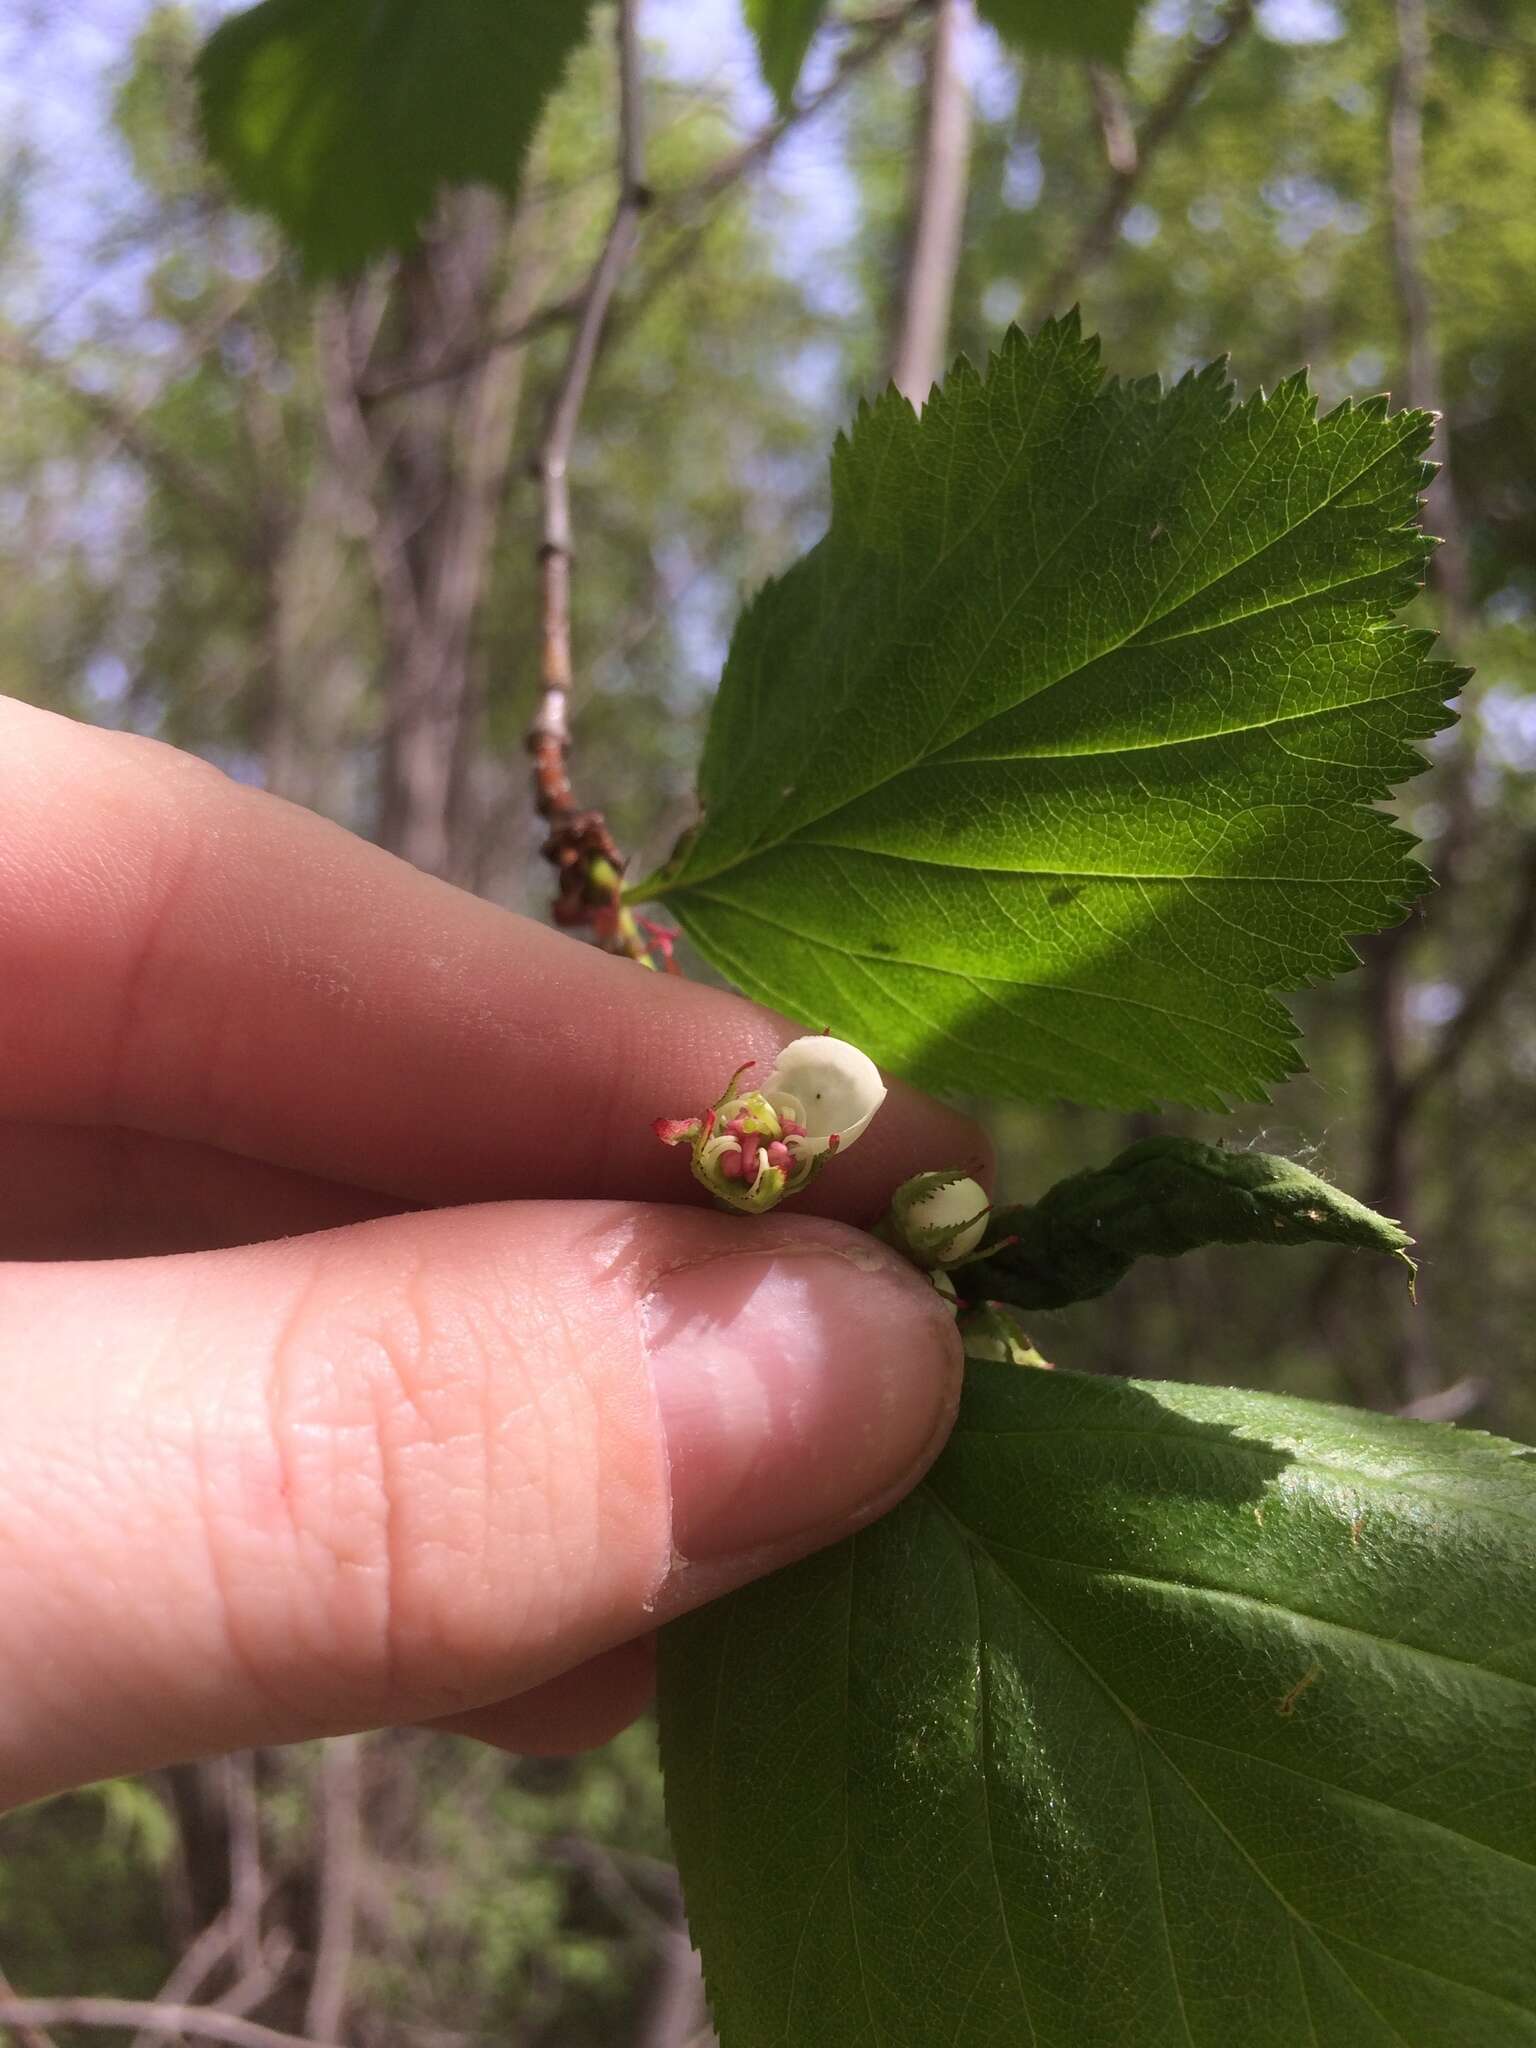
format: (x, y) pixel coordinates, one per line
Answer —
(1062, 750)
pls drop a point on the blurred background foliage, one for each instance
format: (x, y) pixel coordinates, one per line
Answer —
(216, 480)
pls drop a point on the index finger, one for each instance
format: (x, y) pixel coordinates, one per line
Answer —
(192, 958)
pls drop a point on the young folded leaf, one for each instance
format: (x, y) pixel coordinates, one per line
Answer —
(1062, 749)
(1159, 1198)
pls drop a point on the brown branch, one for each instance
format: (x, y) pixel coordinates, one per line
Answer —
(877, 31)
(208, 1950)
(1396, 1092)
(684, 205)
(559, 313)
(1454, 1403)
(204, 2020)
(1405, 139)
(1510, 956)
(696, 204)
(247, 1889)
(579, 845)
(1421, 378)
(937, 210)
(126, 426)
(28, 2036)
(1117, 131)
(357, 459)
(340, 1856)
(1162, 118)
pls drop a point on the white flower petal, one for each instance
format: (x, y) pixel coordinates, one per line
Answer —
(834, 1090)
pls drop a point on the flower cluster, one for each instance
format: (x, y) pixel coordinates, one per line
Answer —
(757, 1145)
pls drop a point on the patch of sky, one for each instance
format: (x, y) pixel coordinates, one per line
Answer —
(1510, 605)
(1425, 819)
(1002, 301)
(1365, 370)
(1433, 1003)
(1508, 720)
(814, 373)
(1023, 176)
(806, 190)
(106, 680)
(991, 74)
(1168, 17)
(1306, 206)
(1299, 21)
(60, 66)
(1142, 226)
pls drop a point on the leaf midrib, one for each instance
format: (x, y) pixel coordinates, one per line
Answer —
(1141, 1730)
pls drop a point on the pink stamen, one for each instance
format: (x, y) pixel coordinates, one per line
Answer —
(749, 1145)
(737, 1127)
(780, 1156)
(662, 941)
(676, 1130)
(790, 1128)
(732, 1166)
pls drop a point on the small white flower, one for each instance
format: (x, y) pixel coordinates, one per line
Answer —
(828, 1087)
(757, 1145)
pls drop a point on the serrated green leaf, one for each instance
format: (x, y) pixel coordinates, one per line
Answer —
(1095, 30)
(1060, 751)
(1159, 1717)
(345, 118)
(1161, 1197)
(783, 29)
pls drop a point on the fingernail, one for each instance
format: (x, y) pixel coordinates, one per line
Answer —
(796, 1388)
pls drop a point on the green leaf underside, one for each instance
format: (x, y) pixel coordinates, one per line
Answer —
(783, 29)
(1058, 753)
(1098, 30)
(1095, 30)
(1159, 1717)
(344, 120)
(1161, 1197)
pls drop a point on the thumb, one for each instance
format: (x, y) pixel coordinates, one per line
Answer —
(406, 1469)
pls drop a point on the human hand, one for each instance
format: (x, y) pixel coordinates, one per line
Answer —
(292, 1447)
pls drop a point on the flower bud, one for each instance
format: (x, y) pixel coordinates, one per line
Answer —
(938, 1219)
(757, 1145)
(988, 1333)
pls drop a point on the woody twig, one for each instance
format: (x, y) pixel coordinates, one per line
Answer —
(579, 845)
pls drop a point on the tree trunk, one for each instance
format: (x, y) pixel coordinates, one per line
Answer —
(936, 212)
(428, 475)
